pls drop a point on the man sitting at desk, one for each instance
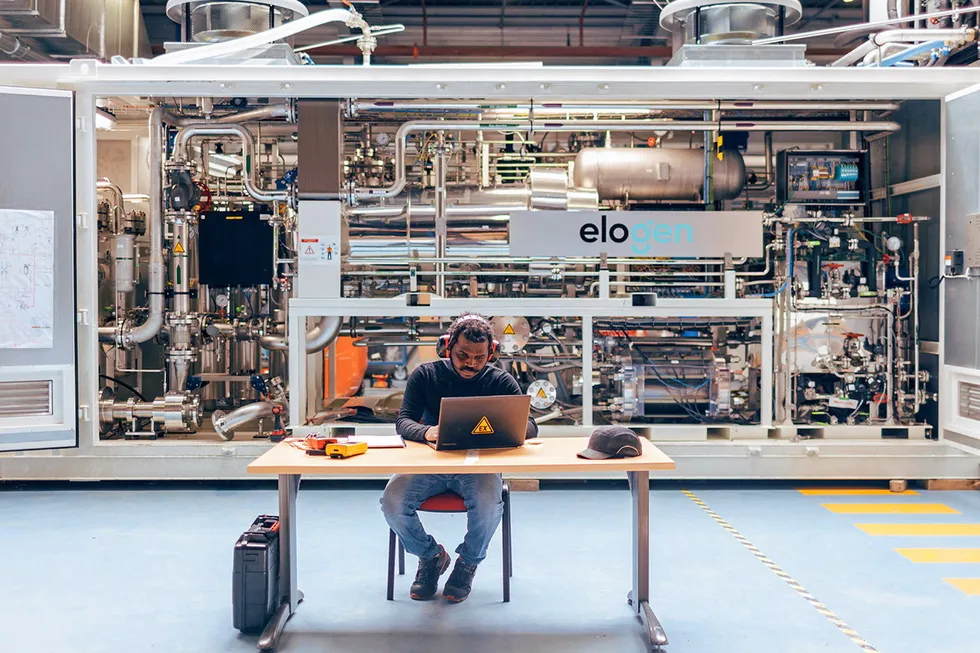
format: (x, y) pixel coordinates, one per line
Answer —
(465, 372)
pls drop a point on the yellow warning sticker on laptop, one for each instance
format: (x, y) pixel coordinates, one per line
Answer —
(483, 427)
(509, 330)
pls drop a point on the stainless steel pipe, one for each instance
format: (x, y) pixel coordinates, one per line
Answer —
(249, 173)
(225, 424)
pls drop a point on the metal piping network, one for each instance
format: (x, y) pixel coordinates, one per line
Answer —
(401, 135)
(248, 154)
(126, 335)
(878, 40)
(317, 338)
(175, 412)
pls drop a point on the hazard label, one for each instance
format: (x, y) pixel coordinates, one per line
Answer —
(178, 248)
(483, 427)
(542, 394)
(509, 330)
(309, 250)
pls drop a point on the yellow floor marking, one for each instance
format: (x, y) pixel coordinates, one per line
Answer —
(853, 492)
(890, 508)
(941, 555)
(932, 530)
(849, 632)
(969, 586)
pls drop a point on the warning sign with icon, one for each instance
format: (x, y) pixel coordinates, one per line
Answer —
(483, 427)
(178, 248)
(319, 250)
(509, 329)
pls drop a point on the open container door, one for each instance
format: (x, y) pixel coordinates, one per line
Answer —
(38, 402)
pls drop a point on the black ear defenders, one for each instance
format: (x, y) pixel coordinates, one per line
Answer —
(446, 342)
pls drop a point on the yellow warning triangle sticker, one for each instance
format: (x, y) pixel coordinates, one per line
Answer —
(483, 427)
(509, 330)
(178, 248)
(542, 394)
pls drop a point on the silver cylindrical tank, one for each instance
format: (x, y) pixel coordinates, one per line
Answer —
(123, 253)
(649, 173)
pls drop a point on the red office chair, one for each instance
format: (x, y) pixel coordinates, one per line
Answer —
(451, 502)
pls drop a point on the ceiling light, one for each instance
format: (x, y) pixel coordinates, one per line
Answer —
(103, 119)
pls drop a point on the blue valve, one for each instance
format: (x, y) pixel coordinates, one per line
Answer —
(259, 384)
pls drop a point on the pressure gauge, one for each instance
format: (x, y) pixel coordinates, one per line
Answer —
(221, 300)
(383, 138)
(893, 244)
(542, 393)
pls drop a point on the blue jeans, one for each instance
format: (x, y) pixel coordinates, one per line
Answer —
(482, 494)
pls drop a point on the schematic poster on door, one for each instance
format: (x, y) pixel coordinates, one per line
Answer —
(26, 279)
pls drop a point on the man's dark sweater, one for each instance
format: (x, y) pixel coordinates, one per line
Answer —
(432, 381)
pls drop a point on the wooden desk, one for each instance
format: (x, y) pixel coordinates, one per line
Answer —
(545, 455)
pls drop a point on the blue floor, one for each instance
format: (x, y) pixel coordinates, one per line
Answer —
(131, 570)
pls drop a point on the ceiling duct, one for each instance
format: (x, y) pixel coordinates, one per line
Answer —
(203, 22)
(722, 32)
(210, 21)
(73, 28)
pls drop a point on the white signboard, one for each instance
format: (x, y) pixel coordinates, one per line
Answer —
(636, 233)
(26, 279)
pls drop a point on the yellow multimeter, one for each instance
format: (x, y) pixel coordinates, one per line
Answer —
(345, 449)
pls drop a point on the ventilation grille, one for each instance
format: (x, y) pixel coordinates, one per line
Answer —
(970, 400)
(33, 398)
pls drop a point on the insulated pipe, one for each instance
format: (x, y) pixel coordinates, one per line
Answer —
(127, 335)
(546, 108)
(349, 17)
(802, 36)
(248, 153)
(226, 423)
(607, 125)
(875, 41)
(317, 338)
(14, 48)
(888, 49)
(907, 53)
(275, 111)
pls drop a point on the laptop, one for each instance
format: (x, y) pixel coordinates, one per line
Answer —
(490, 422)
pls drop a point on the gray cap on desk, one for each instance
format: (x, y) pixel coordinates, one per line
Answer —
(612, 442)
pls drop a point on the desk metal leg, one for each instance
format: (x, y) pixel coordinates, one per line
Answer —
(289, 595)
(639, 598)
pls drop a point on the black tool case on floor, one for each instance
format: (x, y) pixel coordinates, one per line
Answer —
(255, 583)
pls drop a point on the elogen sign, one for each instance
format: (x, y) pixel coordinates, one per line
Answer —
(636, 233)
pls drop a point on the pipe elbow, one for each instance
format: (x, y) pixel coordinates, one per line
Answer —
(225, 424)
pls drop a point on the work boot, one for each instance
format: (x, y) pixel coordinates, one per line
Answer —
(427, 578)
(460, 582)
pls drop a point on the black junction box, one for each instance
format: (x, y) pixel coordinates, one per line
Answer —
(239, 246)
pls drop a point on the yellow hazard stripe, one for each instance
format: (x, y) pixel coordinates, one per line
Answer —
(802, 591)
(851, 492)
(890, 508)
(941, 555)
(969, 586)
(927, 530)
